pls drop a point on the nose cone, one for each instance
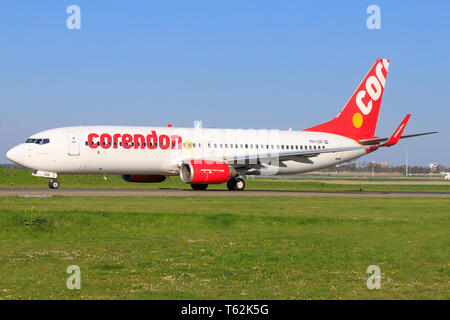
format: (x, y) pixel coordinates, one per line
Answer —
(15, 155)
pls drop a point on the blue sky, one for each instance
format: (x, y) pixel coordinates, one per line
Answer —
(236, 64)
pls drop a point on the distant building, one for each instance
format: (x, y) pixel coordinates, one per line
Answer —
(433, 167)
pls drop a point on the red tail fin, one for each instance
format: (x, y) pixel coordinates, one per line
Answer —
(358, 119)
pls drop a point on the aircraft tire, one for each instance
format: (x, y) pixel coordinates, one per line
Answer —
(53, 184)
(239, 184)
(236, 184)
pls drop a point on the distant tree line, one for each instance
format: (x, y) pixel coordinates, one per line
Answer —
(383, 168)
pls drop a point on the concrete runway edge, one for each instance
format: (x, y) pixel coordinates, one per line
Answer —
(211, 193)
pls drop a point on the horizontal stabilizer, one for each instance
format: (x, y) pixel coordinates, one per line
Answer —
(376, 141)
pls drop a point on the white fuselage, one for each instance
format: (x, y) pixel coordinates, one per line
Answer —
(161, 150)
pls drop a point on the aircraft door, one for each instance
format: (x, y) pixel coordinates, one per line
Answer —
(338, 155)
(74, 144)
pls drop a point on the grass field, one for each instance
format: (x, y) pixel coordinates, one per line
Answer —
(24, 179)
(220, 247)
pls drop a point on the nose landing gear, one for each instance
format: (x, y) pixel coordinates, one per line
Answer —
(53, 184)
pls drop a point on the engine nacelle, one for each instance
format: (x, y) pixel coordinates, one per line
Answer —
(204, 172)
(143, 178)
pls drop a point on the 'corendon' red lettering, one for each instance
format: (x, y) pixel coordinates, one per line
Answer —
(126, 140)
(91, 141)
(176, 141)
(105, 141)
(164, 141)
(150, 141)
(116, 140)
(139, 141)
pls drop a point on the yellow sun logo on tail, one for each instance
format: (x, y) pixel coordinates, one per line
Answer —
(357, 120)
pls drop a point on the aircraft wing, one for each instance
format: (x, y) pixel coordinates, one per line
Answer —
(289, 155)
(297, 155)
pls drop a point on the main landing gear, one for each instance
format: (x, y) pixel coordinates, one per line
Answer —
(53, 184)
(236, 184)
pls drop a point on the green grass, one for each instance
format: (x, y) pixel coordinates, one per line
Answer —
(24, 179)
(224, 247)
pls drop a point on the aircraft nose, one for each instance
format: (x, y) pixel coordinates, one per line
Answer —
(15, 154)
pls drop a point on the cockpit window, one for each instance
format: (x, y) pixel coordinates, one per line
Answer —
(38, 141)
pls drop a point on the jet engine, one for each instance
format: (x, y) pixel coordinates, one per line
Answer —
(205, 172)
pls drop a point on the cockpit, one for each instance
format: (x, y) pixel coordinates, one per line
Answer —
(37, 141)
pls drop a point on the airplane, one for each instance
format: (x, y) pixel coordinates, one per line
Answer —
(203, 156)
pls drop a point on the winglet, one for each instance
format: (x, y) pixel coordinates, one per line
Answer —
(398, 133)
